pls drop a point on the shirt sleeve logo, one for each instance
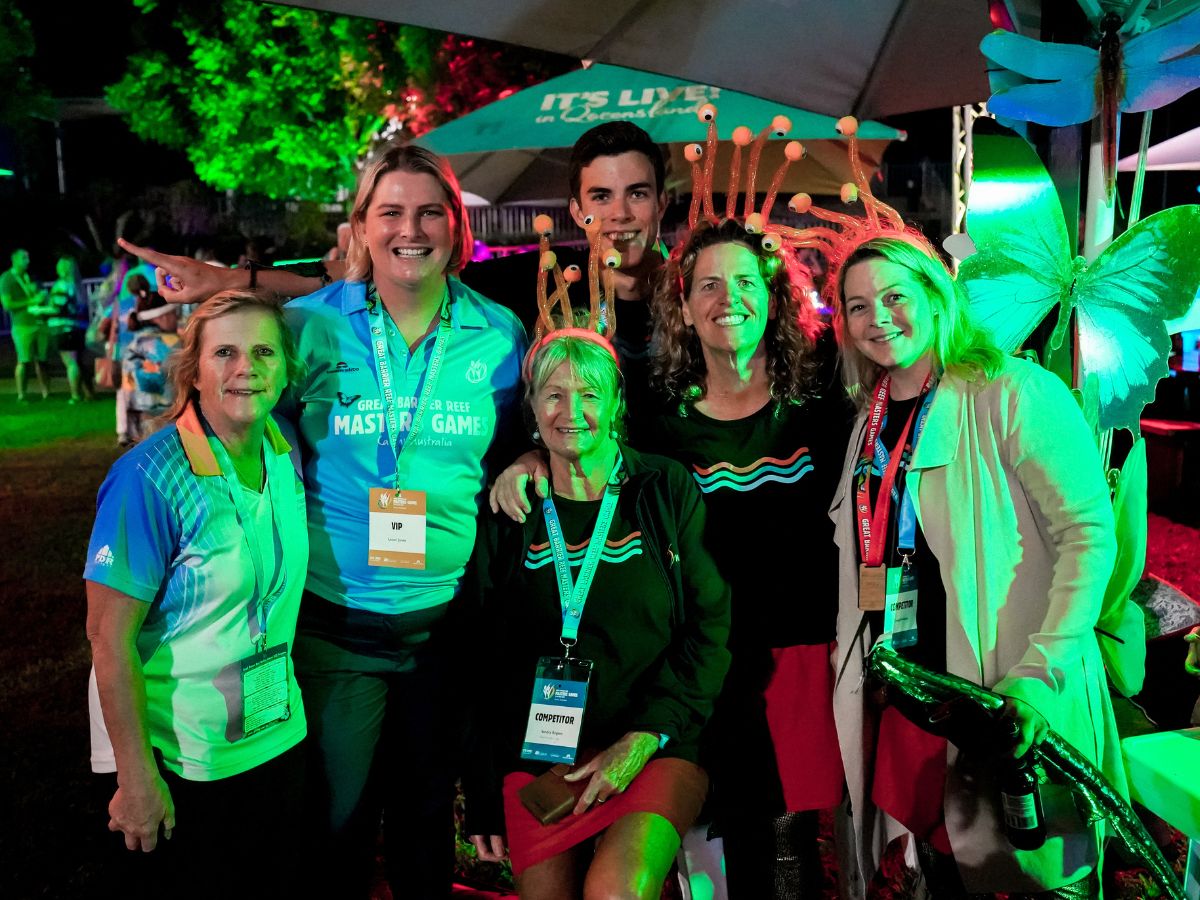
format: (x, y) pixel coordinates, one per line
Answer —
(104, 556)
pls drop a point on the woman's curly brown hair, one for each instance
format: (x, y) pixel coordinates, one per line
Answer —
(678, 367)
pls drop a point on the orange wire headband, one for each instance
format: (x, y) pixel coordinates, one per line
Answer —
(836, 244)
(602, 313)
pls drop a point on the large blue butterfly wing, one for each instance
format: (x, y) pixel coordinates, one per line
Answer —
(1040, 60)
(1156, 70)
(1034, 81)
(1148, 274)
(1164, 43)
(1152, 87)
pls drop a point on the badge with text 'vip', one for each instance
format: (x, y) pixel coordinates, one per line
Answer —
(396, 533)
(560, 687)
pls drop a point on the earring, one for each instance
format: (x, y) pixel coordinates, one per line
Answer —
(537, 435)
(612, 433)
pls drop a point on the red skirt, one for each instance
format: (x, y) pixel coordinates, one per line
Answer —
(909, 781)
(672, 788)
(800, 718)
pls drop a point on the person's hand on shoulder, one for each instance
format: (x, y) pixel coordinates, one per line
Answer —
(509, 491)
(139, 809)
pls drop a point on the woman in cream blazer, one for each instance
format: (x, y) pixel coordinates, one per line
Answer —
(1010, 497)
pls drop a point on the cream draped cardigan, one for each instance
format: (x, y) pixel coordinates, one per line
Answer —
(1011, 497)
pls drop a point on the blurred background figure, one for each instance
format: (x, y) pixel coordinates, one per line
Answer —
(22, 300)
(153, 325)
(67, 321)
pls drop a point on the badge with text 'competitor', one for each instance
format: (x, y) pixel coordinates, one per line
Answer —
(396, 534)
(900, 612)
(560, 687)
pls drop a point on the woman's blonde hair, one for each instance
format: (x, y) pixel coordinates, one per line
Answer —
(590, 362)
(959, 345)
(183, 366)
(678, 367)
(407, 158)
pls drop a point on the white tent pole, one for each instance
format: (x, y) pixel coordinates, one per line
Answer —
(1139, 178)
(1101, 212)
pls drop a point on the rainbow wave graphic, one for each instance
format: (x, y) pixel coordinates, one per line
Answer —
(758, 473)
(614, 552)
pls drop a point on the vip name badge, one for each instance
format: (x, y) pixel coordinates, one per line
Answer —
(396, 533)
(560, 689)
(265, 689)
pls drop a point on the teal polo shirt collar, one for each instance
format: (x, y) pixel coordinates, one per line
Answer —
(465, 310)
(199, 452)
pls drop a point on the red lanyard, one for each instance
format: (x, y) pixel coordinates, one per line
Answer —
(876, 523)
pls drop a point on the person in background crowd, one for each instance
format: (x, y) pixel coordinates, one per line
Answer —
(67, 321)
(153, 324)
(20, 298)
(195, 570)
(654, 628)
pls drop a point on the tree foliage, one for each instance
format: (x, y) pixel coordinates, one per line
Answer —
(283, 101)
(263, 99)
(21, 97)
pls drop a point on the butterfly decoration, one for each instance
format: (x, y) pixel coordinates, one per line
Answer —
(1066, 84)
(1024, 268)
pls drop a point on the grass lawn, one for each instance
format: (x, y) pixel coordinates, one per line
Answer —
(53, 457)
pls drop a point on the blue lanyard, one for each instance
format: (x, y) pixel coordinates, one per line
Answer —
(906, 525)
(262, 599)
(573, 595)
(387, 389)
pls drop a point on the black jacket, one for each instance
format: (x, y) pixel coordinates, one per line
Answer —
(674, 698)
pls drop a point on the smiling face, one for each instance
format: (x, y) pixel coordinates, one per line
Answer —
(242, 369)
(888, 315)
(408, 228)
(575, 418)
(619, 191)
(729, 303)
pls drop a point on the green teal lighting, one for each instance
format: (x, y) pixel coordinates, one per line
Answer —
(6, 173)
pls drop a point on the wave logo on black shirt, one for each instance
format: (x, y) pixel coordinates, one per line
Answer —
(761, 471)
(614, 553)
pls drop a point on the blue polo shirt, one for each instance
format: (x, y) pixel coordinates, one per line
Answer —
(342, 428)
(167, 533)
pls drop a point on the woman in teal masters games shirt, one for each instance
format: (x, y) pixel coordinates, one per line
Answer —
(411, 377)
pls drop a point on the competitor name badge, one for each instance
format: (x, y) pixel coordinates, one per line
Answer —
(560, 689)
(396, 532)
